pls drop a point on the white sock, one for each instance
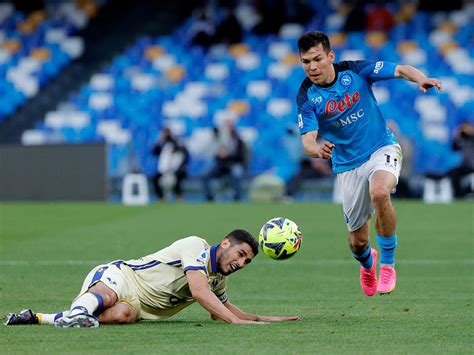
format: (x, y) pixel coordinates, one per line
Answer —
(87, 303)
(48, 318)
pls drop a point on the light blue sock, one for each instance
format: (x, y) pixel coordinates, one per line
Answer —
(387, 249)
(365, 259)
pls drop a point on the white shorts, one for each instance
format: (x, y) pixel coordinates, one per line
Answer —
(354, 184)
(112, 276)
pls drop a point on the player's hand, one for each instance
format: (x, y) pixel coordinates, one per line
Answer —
(277, 318)
(244, 321)
(325, 150)
(427, 83)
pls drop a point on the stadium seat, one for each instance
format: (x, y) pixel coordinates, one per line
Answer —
(33, 137)
(266, 188)
(36, 46)
(437, 191)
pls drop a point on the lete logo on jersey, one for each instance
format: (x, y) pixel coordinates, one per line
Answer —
(334, 107)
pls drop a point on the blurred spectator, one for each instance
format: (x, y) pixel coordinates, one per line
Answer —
(437, 5)
(29, 6)
(380, 18)
(309, 169)
(403, 189)
(171, 170)
(229, 30)
(463, 141)
(272, 15)
(275, 13)
(292, 144)
(202, 29)
(298, 11)
(356, 18)
(230, 161)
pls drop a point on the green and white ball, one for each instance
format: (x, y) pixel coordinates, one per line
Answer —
(280, 238)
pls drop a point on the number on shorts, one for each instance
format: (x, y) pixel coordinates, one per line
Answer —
(388, 158)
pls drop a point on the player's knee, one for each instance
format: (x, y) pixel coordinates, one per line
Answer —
(108, 299)
(380, 195)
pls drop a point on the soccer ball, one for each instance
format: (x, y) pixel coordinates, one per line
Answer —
(280, 238)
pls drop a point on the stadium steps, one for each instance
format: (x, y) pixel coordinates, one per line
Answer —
(106, 36)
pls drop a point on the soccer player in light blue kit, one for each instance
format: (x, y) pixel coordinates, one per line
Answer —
(336, 102)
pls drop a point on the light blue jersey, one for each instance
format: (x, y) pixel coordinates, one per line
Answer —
(346, 113)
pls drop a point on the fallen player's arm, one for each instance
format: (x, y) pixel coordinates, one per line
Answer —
(249, 316)
(198, 285)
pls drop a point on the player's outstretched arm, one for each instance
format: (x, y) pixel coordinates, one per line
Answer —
(410, 73)
(313, 148)
(198, 285)
(249, 316)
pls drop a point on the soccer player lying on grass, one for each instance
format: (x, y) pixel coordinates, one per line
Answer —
(160, 285)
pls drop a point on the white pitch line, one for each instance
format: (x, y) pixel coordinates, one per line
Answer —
(261, 261)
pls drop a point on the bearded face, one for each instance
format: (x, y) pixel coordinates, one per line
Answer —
(233, 257)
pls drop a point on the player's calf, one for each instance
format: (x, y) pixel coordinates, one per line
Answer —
(120, 313)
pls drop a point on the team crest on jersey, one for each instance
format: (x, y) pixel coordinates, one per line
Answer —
(346, 80)
(202, 257)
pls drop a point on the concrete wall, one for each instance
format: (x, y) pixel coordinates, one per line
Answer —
(53, 172)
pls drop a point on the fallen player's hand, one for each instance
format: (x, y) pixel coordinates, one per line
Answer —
(277, 318)
(244, 321)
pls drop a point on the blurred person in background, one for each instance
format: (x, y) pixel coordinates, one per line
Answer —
(202, 30)
(403, 189)
(275, 13)
(229, 29)
(379, 17)
(230, 158)
(171, 169)
(356, 18)
(336, 102)
(309, 169)
(463, 141)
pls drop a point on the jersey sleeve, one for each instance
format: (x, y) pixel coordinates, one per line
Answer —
(371, 71)
(193, 252)
(221, 290)
(307, 120)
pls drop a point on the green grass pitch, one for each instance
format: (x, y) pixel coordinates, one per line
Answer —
(47, 249)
